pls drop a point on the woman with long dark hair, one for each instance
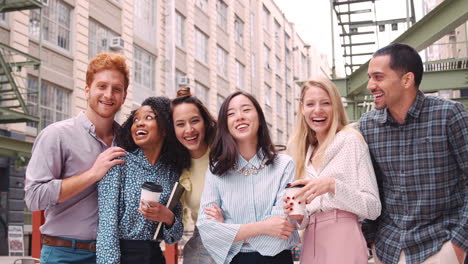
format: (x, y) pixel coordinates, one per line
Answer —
(194, 128)
(245, 183)
(153, 154)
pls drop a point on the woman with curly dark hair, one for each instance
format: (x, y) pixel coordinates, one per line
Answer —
(241, 219)
(153, 154)
(195, 128)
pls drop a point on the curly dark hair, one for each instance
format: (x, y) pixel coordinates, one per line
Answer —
(172, 150)
(224, 152)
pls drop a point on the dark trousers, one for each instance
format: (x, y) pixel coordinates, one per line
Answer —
(140, 252)
(284, 257)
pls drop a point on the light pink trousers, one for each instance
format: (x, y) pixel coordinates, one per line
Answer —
(333, 237)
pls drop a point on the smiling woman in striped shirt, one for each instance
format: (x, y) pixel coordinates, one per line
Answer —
(245, 183)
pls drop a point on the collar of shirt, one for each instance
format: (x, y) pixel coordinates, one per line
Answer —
(91, 128)
(383, 116)
(255, 161)
(138, 156)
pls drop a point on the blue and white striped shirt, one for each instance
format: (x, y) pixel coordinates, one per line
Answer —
(245, 199)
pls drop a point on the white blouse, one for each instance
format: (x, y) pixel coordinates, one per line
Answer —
(346, 159)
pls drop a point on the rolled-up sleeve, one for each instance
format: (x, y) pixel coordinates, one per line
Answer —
(218, 238)
(43, 174)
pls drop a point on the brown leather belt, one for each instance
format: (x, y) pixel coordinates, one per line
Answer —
(59, 242)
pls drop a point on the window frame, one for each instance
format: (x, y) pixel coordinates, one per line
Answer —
(53, 25)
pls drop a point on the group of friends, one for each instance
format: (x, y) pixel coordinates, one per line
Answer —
(396, 182)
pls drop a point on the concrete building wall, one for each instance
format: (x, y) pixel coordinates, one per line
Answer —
(289, 57)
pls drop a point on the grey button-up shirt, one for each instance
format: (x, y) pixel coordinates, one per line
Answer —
(62, 150)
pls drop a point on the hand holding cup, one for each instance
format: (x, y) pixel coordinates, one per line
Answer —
(293, 206)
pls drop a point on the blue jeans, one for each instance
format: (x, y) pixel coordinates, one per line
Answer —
(66, 255)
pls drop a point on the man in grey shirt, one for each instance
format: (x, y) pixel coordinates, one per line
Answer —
(69, 157)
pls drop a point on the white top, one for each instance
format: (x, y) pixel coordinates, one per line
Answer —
(245, 199)
(346, 159)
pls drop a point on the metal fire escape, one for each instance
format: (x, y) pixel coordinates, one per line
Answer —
(17, 102)
(360, 29)
(439, 75)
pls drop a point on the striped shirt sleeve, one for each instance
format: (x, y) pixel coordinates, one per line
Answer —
(221, 243)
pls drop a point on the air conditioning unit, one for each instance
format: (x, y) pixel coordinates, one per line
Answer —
(45, 2)
(183, 80)
(116, 43)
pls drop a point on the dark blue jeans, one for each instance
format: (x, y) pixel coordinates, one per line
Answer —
(284, 257)
(140, 252)
(66, 255)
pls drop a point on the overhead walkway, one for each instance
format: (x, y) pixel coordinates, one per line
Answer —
(439, 75)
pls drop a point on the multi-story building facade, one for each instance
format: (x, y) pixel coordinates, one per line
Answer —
(214, 46)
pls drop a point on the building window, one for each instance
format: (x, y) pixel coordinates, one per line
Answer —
(267, 95)
(221, 9)
(288, 112)
(279, 104)
(55, 102)
(266, 19)
(394, 26)
(144, 21)
(252, 24)
(56, 21)
(201, 46)
(278, 66)
(279, 136)
(180, 30)
(240, 75)
(219, 100)
(143, 74)
(287, 39)
(202, 4)
(277, 31)
(3, 18)
(304, 67)
(221, 61)
(253, 66)
(239, 30)
(288, 75)
(178, 76)
(266, 57)
(202, 92)
(98, 39)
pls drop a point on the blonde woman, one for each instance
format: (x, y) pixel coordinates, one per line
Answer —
(334, 164)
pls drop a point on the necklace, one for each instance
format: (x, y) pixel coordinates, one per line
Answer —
(250, 169)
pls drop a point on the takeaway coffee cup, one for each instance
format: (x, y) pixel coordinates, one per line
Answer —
(150, 191)
(298, 209)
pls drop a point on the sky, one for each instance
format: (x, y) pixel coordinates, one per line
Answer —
(312, 21)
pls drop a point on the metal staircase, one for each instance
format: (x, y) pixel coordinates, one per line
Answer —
(14, 93)
(18, 5)
(13, 90)
(360, 29)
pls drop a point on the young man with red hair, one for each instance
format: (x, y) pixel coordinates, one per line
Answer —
(69, 157)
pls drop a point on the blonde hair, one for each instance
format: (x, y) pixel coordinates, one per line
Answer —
(303, 136)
